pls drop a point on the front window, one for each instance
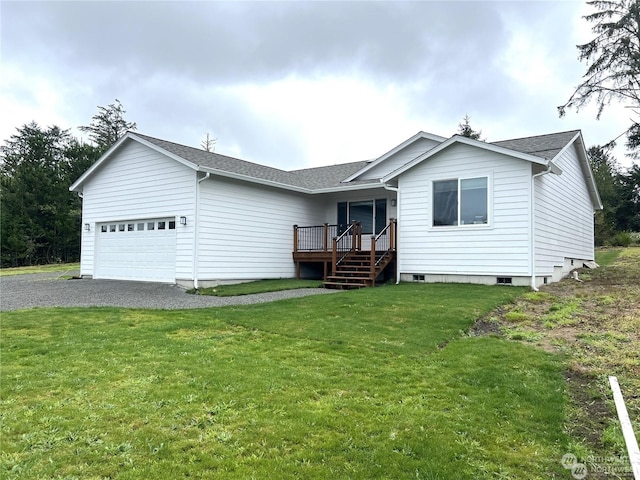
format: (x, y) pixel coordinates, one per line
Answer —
(460, 202)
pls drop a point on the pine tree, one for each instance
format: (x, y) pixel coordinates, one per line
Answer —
(613, 59)
(465, 129)
(108, 125)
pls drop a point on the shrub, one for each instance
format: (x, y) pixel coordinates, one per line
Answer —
(621, 239)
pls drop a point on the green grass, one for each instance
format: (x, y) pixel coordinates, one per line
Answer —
(260, 286)
(375, 383)
(607, 256)
(595, 325)
(55, 267)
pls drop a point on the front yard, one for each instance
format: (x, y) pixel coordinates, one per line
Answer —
(390, 382)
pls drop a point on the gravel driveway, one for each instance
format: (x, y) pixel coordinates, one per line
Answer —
(48, 290)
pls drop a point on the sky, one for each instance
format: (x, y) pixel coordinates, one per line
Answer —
(297, 84)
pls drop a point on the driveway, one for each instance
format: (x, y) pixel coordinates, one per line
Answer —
(49, 290)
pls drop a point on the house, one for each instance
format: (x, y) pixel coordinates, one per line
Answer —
(432, 209)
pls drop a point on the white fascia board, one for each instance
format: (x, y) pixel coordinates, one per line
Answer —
(467, 141)
(259, 181)
(284, 186)
(224, 173)
(75, 185)
(393, 151)
(347, 188)
(586, 168)
(116, 146)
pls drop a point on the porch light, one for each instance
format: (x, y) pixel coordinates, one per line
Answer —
(87, 227)
(183, 220)
(393, 202)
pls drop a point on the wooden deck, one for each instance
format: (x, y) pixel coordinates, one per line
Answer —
(338, 251)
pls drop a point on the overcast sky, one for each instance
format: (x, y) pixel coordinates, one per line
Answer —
(299, 84)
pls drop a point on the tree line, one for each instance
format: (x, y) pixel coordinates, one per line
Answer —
(619, 191)
(40, 221)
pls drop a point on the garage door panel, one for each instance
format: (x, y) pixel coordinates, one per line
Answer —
(136, 250)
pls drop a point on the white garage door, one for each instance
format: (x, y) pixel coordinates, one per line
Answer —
(137, 250)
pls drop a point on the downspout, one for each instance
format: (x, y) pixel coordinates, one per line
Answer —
(397, 192)
(196, 222)
(533, 225)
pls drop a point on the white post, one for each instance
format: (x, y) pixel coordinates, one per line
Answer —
(627, 429)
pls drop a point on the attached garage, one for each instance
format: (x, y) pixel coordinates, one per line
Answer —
(143, 250)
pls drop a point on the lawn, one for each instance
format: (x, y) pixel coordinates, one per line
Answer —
(595, 324)
(260, 286)
(51, 268)
(374, 383)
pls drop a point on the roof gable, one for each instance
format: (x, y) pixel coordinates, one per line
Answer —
(311, 180)
(416, 138)
(543, 146)
(467, 141)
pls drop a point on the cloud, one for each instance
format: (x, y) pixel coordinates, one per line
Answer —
(220, 42)
(294, 84)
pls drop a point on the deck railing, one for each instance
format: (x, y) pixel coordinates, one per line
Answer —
(348, 241)
(382, 246)
(384, 241)
(316, 238)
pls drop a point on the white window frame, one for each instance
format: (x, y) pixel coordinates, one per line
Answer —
(478, 226)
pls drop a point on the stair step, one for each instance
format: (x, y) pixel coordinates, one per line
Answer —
(364, 271)
(350, 279)
(343, 285)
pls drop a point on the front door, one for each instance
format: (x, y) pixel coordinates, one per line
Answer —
(371, 214)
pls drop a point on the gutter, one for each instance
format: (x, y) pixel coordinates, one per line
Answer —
(397, 192)
(196, 222)
(554, 169)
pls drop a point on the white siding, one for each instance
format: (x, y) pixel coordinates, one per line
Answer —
(139, 183)
(564, 216)
(500, 248)
(399, 159)
(246, 230)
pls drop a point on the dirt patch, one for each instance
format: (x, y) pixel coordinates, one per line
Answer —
(596, 415)
(595, 324)
(484, 326)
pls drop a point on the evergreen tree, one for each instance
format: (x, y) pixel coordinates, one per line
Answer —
(613, 71)
(465, 129)
(628, 213)
(40, 217)
(605, 173)
(108, 125)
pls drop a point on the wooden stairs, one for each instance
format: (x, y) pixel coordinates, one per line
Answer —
(358, 270)
(355, 267)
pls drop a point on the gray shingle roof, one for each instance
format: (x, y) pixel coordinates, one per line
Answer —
(543, 146)
(332, 176)
(310, 178)
(202, 158)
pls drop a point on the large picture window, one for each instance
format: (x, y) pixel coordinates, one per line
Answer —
(461, 201)
(369, 213)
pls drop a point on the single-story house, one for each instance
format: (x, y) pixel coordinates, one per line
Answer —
(432, 209)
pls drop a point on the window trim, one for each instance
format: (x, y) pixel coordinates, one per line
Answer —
(467, 226)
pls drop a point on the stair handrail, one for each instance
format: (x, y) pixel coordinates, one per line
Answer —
(351, 229)
(390, 228)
